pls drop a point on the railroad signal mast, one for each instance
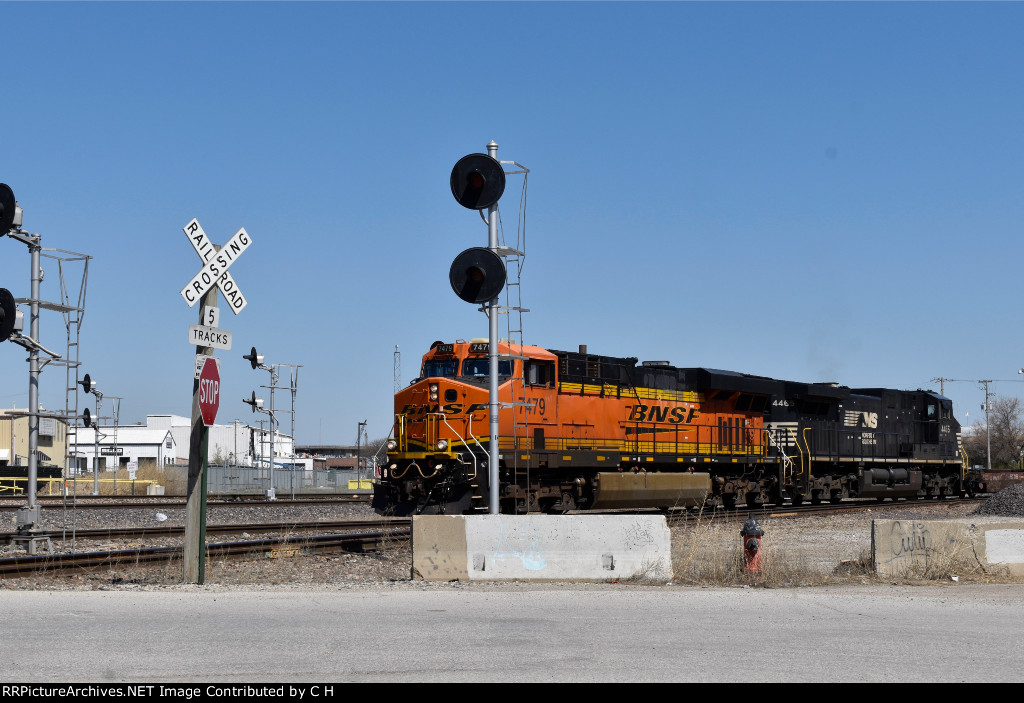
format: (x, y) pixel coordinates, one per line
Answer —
(256, 404)
(12, 323)
(478, 274)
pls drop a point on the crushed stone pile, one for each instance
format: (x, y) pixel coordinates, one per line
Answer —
(1008, 502)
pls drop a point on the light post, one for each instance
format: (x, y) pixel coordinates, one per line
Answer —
(359, 451)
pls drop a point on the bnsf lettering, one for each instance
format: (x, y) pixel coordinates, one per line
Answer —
(447, 409)
(672, 416)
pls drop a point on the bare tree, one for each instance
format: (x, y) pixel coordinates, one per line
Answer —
(1005, 431)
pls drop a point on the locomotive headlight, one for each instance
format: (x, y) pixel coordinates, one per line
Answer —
(392, 445)
(433, 391)
(442, 444)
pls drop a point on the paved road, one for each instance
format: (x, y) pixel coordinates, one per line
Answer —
(515, 633)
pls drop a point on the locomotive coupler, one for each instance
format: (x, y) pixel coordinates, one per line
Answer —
(752, 534)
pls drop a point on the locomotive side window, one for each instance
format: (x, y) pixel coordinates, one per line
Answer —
(931, 411)
(540, 373)
(445, 368)
(480, 366)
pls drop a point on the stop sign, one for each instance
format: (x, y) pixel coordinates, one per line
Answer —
(209, 390)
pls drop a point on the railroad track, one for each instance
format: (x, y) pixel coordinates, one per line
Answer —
(106, 502)
(765, 511)
(358, 542)
(283, 528)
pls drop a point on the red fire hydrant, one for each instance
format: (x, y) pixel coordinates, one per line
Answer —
(752, 534)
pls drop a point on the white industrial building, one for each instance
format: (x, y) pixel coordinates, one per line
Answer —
(121, 446)
(165, 439)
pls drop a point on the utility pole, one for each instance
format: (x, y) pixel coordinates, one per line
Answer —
(988, 425)
(359, 451)
(398, 370)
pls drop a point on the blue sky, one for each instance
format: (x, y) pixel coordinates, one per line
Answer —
(810, 191)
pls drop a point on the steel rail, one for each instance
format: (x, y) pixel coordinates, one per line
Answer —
(60, 533)
(359, 542)
(101, 502)
(779, 511)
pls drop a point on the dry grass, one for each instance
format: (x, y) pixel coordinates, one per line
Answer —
(709, 552)
(118, 483)
(959, 564)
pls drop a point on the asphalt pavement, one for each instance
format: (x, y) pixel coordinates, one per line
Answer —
(515, 633)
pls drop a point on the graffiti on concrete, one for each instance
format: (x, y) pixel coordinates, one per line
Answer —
(639, 535)
(911, 542)
(522, 543)
(910, 538)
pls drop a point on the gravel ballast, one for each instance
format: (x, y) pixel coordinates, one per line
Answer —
(822, 545)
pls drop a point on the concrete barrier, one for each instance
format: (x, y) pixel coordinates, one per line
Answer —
(907, 547)
(541, 548)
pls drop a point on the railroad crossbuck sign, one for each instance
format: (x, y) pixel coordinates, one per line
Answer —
(209, 390)
(215, 266)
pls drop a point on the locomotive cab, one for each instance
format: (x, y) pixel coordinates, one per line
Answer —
(438, 457)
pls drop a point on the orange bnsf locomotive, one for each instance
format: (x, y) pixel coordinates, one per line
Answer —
(579, 431)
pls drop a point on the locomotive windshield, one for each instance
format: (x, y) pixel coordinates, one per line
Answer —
(481, 366)
(447, 368)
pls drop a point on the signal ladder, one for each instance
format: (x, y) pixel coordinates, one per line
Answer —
(514, 258)
(73, 310)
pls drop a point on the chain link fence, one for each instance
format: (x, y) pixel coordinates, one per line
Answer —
(240, 480)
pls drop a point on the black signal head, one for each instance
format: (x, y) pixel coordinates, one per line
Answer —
(7, 207)
(477, 181)
(8, 314)
(477, 275)
(253, 358)
(87, 418)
